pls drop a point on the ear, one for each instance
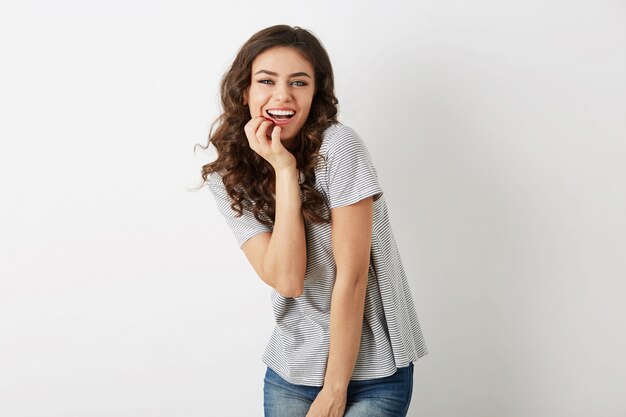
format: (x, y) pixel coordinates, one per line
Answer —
(245, 96)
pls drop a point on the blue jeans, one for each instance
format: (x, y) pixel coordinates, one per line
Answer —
(380, 397)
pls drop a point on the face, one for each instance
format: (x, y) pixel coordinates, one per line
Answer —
(282, 88)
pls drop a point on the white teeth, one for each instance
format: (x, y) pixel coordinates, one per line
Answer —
(281, 112)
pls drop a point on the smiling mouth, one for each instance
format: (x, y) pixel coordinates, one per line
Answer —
(280, 114)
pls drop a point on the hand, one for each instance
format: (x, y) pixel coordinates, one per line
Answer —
(272, 149)
(328, 404)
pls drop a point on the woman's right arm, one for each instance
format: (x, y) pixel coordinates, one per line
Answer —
(279, 257)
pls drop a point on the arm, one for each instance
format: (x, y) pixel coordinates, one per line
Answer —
(279, 257)
(351, 240)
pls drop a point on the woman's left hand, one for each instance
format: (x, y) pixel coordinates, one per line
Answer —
(328, 404)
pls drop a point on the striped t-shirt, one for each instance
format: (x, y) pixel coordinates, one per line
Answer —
(391, 334)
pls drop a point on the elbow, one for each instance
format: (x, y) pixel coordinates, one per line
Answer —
(290, 291)
(354, 284)
(288, 282)
(286, 286)
(289, 286)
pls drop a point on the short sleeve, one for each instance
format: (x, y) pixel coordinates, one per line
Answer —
(243, 227)
(351, 172)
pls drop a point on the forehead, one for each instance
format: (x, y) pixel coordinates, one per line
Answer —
(282, 60)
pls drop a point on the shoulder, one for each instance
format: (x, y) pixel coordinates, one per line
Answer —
(338, 137)
(216, 184)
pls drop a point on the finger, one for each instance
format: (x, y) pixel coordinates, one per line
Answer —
(261, 132)
(276, 136)
(253, 125)
(269, 132)
(271, 128)
(250, 130)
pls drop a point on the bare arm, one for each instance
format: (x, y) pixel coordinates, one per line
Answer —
(351, 239)
(279, 257)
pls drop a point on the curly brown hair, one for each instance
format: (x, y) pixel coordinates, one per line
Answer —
(248, 178)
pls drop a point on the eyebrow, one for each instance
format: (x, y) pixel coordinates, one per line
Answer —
(295, 74)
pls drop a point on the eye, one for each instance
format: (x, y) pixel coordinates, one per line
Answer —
(265, 81)
(299, 83)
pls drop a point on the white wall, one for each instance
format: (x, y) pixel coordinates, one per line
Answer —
(498, 130)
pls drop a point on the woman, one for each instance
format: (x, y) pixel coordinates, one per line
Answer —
(301, 195)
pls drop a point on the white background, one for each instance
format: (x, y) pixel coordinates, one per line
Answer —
(498, 131)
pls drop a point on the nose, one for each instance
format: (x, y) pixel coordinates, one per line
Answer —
(282, 93)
